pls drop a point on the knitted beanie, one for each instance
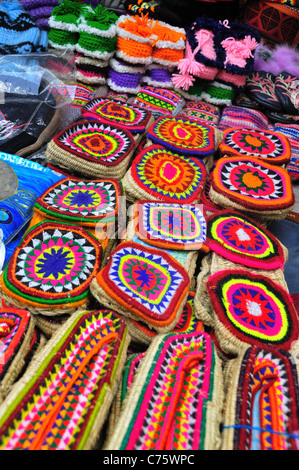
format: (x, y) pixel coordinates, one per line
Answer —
(135, 39)
(28, 4)
(158, 75)
(219, 94)
(125, 78)
(64, 25)
(170, 44)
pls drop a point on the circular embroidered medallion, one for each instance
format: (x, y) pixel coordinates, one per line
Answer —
(183, 135)
(86, 202)
(148, 281)
(253, 183)
(54, 264)
(133, 118)
(266, 145)
(170, 225)
(253, 308)
(94, 141)
(168, 176)
(241, 240)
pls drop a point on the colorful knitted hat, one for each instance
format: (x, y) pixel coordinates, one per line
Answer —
(124, 77)
(97, 33)
(158, 174)
(145, 284)
(64, 397)
(265, 145)
(136, 120)
(218, 93)
(178, 383)
(251, 185)
(238, 116)
(188, 323)
(94, 149)
(251, 309)
(238, 238)
(169, 46)
(118, 97)
(291, 132)
(64, 24)
(260, 87)
(185, 136)
(91, 74)
(204, 55)
(16, 333)
(261, 406)
(51, 270)
(158, 76)
(194, 92)
(170, 226)
(201, 110)
(135, 39)
(239, 43)
(159, 101)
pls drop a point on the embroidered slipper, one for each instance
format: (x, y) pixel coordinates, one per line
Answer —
(260, 87)
(263, 190)
(261, 406)
(244, 101)
(238, 116)
(287, 91)
(159, 101)
(49, 325)
(135, 39)
(52, 268)
(169, 226)
(63, 400)
(135, 120)
(168, 48)
(16, 334)
(158, 76)
(268, 146)
(92, 148)
(238, 238)
(124, 77)
(251, 309)
(158, 174)
(168, 391)
(203, 111)
(140, 333)
(185, 136)
(282, 118)
(144, 284)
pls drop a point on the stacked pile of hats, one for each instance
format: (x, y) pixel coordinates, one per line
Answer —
(40, 11)
(88, 31)
(147, 50)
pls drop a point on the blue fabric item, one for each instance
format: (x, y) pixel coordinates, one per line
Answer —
(287, 232)
(18, 32)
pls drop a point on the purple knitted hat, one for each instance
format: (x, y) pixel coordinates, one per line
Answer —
(159, 76)
(124, 77)
(41, 12)
(30, 4)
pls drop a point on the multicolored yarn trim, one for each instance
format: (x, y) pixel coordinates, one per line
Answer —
(251, 309)
(170, 226)
(265, 145)
(261, 408)
(242, 240)
(143, 283)
(52, 268)
(252, 184)
(244, 118)
(64, 398)
(86, 203)
(291, 132)
(183, 135)
(159, 100)
(201, 110)
(175, 400)
(135, 120)
(157, 173)
(16, 334)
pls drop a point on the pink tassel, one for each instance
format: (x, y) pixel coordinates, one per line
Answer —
(182, 81)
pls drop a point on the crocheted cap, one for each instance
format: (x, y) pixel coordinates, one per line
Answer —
(218, 93)
(158, 76)
(201, 110)
(135, 39)
(66, 16)
(159, 101)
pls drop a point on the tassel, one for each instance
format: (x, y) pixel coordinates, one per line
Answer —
(182, 81)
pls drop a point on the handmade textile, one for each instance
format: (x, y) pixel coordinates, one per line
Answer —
(272, 147)
(261, 407)
(136, 120)
(209, 206)
(188, 323)
(185, 136)
(175, 400)
(49, 325)
(92, 148)
(218, 93)
(287, 91)
(260, 87)
(291, 132)
(144, 284)
(252, 185)
(124, 77)
(169, 45)
(170, 226)
(91, 74)
(201, 110)
(16, 334)
(64, 397)
(242, 240)
(158, 76)
(251, 309)
(135, 39)
(277, 22)
(51, 269)
(159, 101)
(237, 116)
(158, 174)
